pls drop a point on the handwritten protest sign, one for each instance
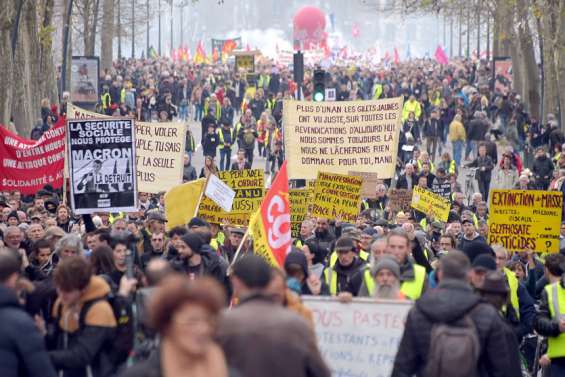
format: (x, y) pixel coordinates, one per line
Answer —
(442, 189)
(370, 181)
(520, 220)
(220, 193)
(249, 187)
(337, 195)
(300, 200)
(399, 200)
(102, 165)
(360, 338)
(341, 136)
(28, 165)
(159, 150)
(431, 204)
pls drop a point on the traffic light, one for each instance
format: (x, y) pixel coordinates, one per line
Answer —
(319, 94)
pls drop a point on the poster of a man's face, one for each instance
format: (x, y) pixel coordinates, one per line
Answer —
(503, 76)
(84, 79)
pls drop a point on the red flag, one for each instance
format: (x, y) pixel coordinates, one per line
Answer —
(215, 55)
(270, 225)
(440, 56)
(396, 59)
(387, 57)
(355, 31)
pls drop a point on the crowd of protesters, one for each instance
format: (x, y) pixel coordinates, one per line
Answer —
(104, 294)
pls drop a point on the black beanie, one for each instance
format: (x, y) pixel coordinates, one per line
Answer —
(476, 248)
(193, 240)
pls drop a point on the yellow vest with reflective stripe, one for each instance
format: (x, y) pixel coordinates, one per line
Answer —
(413, 288)
(369, 281)
(513, 284)
(556, 303)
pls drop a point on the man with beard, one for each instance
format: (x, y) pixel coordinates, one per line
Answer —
(386, 279)
(323, 237)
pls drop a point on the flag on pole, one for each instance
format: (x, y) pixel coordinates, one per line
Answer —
(440, 56)
(270, 225)
(182, 201)
(396, 58)
(200, 54)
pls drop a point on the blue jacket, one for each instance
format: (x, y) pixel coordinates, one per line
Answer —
(22, 349)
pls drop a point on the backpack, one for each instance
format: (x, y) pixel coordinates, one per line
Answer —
(122, 342)
(248, 138)
(454, 349)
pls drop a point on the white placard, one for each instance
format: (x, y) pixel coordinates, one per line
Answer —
(220, 193)
(360, 338)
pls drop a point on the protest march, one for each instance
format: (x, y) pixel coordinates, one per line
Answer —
(305, 214)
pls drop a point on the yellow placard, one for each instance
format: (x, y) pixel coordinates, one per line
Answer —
(341, 136)
(337, 196)
(431, 204)
(521, 220)
(249, 187)
(159, 150)
(300, 200)
(245, 62)
(181, 202)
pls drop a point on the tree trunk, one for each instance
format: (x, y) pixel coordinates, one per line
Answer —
(118, 25)
(47, 68)
(548, 30)
(87, 27)
(27, 94)
(7, 14)
(560, 60)
(107, 52)
(94, 29)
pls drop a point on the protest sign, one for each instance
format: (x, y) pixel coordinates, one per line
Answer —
(159, 151)
(521, 220)
(360, 338)
(341, 136)
(337, 195)
(399, 200)
(370, 180)
(430, 204)
(249, 187)
(220, 193)
(102, 165)
(300, 200)
(28, 165)
(85, 74)
(442, 189)
(181, 202)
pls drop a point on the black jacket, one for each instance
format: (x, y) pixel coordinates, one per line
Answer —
(450, 302)
(211, 265)
(543, 167)
(22, 350)
(403, 182)
(188, 173)
(210, 144)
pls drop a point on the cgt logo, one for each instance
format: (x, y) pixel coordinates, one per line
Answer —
(278, 223)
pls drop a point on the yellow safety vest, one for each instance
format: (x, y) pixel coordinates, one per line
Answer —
(105, 98)
(369, 281)
(413, 288)
(452, 167)
(218, 109)
(216, 242)
(331, 280)
(432, 166)
(513, 284)
(123, 95)
(112, 218)
(556, 303)
(221, 136)
(378, 91)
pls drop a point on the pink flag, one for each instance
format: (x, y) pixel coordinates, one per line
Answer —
(440, 56)
(396, 58)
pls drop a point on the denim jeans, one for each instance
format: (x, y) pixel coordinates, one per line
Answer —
(457, 149)
(469, 148)
(225, 155)
(183, 112)
(197, 112)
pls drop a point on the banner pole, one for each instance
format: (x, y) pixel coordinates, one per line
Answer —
(201, 196)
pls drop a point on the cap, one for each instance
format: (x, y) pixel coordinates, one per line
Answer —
(156, 215)
(484, 262)
(237, 230)
(344, 244)
(381, 222)
(466, 220)
(386, 263)
(353, 233)
(494, 282)
(369, 231)
(197, 221)
(437, 225)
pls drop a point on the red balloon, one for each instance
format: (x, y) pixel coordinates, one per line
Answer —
(309, 27)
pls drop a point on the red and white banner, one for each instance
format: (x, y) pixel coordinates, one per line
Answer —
(28, 165)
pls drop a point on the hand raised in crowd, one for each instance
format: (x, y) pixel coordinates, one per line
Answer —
(345, 297)
(562, 325)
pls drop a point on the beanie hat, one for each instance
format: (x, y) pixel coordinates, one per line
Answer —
(193, 241)
(386, 263)
(13, 214)
(197, 221)
(296, 257)
(484, 262)
(476, 248)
